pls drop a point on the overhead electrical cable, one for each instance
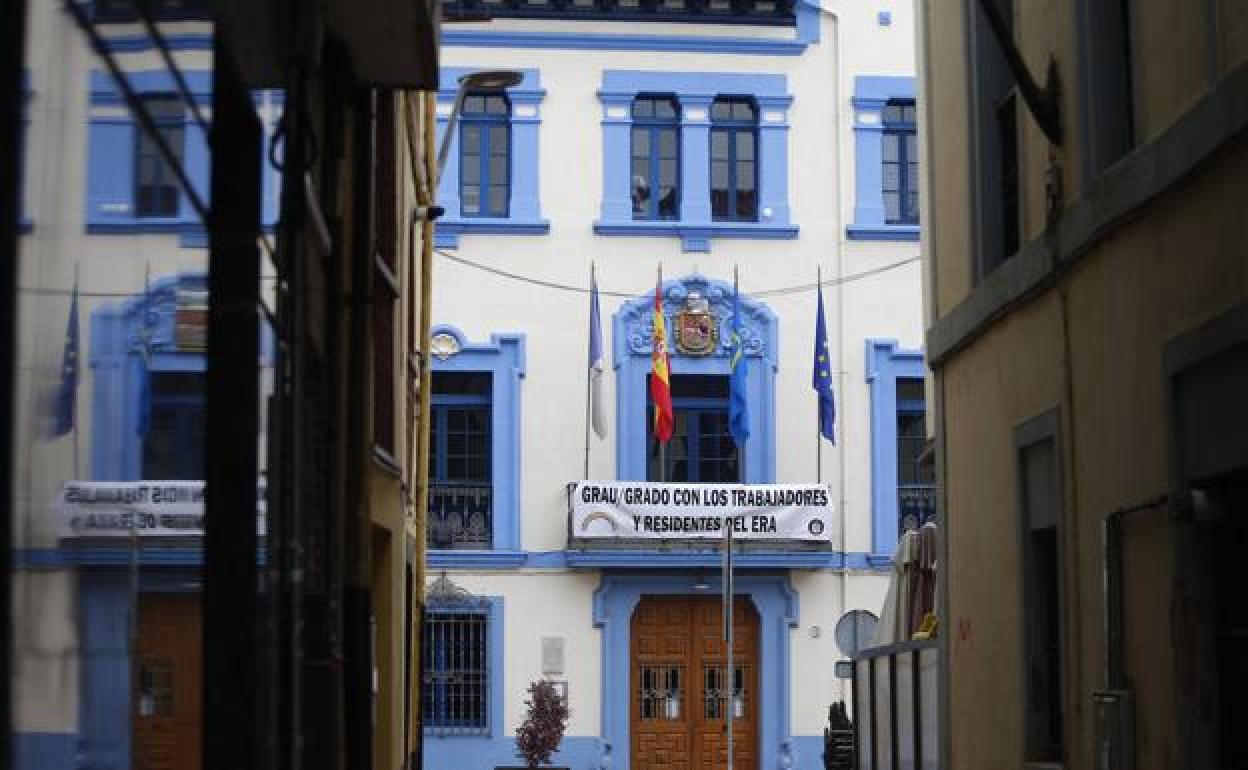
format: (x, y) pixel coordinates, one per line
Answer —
(777, 292)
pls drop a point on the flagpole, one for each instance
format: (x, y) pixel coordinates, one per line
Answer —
(78, 366)
(589, 373)
(818, 404)
(730, 701)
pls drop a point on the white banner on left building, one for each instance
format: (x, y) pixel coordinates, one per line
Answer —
(138, 508)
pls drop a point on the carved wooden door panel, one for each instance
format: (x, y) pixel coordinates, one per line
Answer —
(679, 698)
(166, 690)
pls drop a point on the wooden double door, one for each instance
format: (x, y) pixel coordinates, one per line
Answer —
(681, 691)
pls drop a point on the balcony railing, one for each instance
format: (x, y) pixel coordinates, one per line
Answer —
(916, 506)
(461, 516)
(764, 12)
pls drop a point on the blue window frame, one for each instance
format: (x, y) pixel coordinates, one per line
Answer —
(485, 155)
(460, 478)
(156, 188)
(734, 160)
(916, 481)
(900, 157)
(174, 441)
(701, 448)
(456, 644)
(656, 157)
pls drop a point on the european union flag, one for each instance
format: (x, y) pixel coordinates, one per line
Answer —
(67, 393)
(821, 378)
(738, 403)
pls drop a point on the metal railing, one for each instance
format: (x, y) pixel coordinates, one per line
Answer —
(461, 516)
(896, 707)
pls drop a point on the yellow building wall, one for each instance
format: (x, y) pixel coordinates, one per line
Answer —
(1173, 268)
(949, 143)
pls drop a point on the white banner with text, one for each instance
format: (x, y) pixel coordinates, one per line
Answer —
(137, 509)
(631, 510)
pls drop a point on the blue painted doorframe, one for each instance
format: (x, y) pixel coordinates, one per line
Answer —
(777, 604)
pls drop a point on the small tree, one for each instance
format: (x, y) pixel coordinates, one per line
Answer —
(538, 737)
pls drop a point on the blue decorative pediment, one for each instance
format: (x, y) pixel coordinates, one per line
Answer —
(634, 321)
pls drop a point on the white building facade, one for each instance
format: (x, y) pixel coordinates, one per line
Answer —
(775, 140)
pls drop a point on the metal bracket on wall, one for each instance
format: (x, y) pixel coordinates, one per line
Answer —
(1044, 105)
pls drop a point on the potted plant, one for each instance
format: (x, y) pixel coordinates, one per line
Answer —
(538, 737)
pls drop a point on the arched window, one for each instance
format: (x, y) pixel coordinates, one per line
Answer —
(656, 158)
(485, 155)
(734, 160)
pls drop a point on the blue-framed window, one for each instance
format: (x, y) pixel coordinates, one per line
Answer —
(656, 157)
(460, 444)
(493, 188)
(734, 160)
(701, 448)
(916, 480)
(886, 172)
(900, 157)
(761, 12)
(476, 397)
(174, 442)
(485, 155)
(156, 189)
(900, 488)
(456, 687)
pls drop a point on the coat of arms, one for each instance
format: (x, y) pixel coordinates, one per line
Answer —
(697, 334)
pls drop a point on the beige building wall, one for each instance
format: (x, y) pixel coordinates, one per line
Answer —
(1087, 340)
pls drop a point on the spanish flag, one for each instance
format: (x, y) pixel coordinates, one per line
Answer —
(660, 375)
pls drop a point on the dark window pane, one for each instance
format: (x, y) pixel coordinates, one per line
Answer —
(892, 177)
(747, 204)
(745, 177)
(719, 145)
(667, 173)
(668, 202)
(470, 171)
(474, 103)
(888, 147)
(721, 110)
(498, 140)
(719, 175)
(743, 111)
(471, 199)
(910, 389)
(470, 139)
(667, 143)
(892, 206)
(719, 203)
(462, 383)
(498, 200)
(641, 142)
(498, 169)
(496, 105)
(745, 145)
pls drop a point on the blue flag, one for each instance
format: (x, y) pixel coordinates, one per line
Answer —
(738, 403)
(821, 378)
(67, 393)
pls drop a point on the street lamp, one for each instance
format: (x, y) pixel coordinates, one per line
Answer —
(484, 80)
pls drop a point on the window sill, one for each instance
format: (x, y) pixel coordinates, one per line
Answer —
(447, 231)
(474, 559)
(697, 237)
(883, 232)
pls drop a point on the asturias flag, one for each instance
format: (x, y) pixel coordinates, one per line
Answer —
(67, 393)
(660, 375)
(738, 404)
(821, 379)
(596, 417)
